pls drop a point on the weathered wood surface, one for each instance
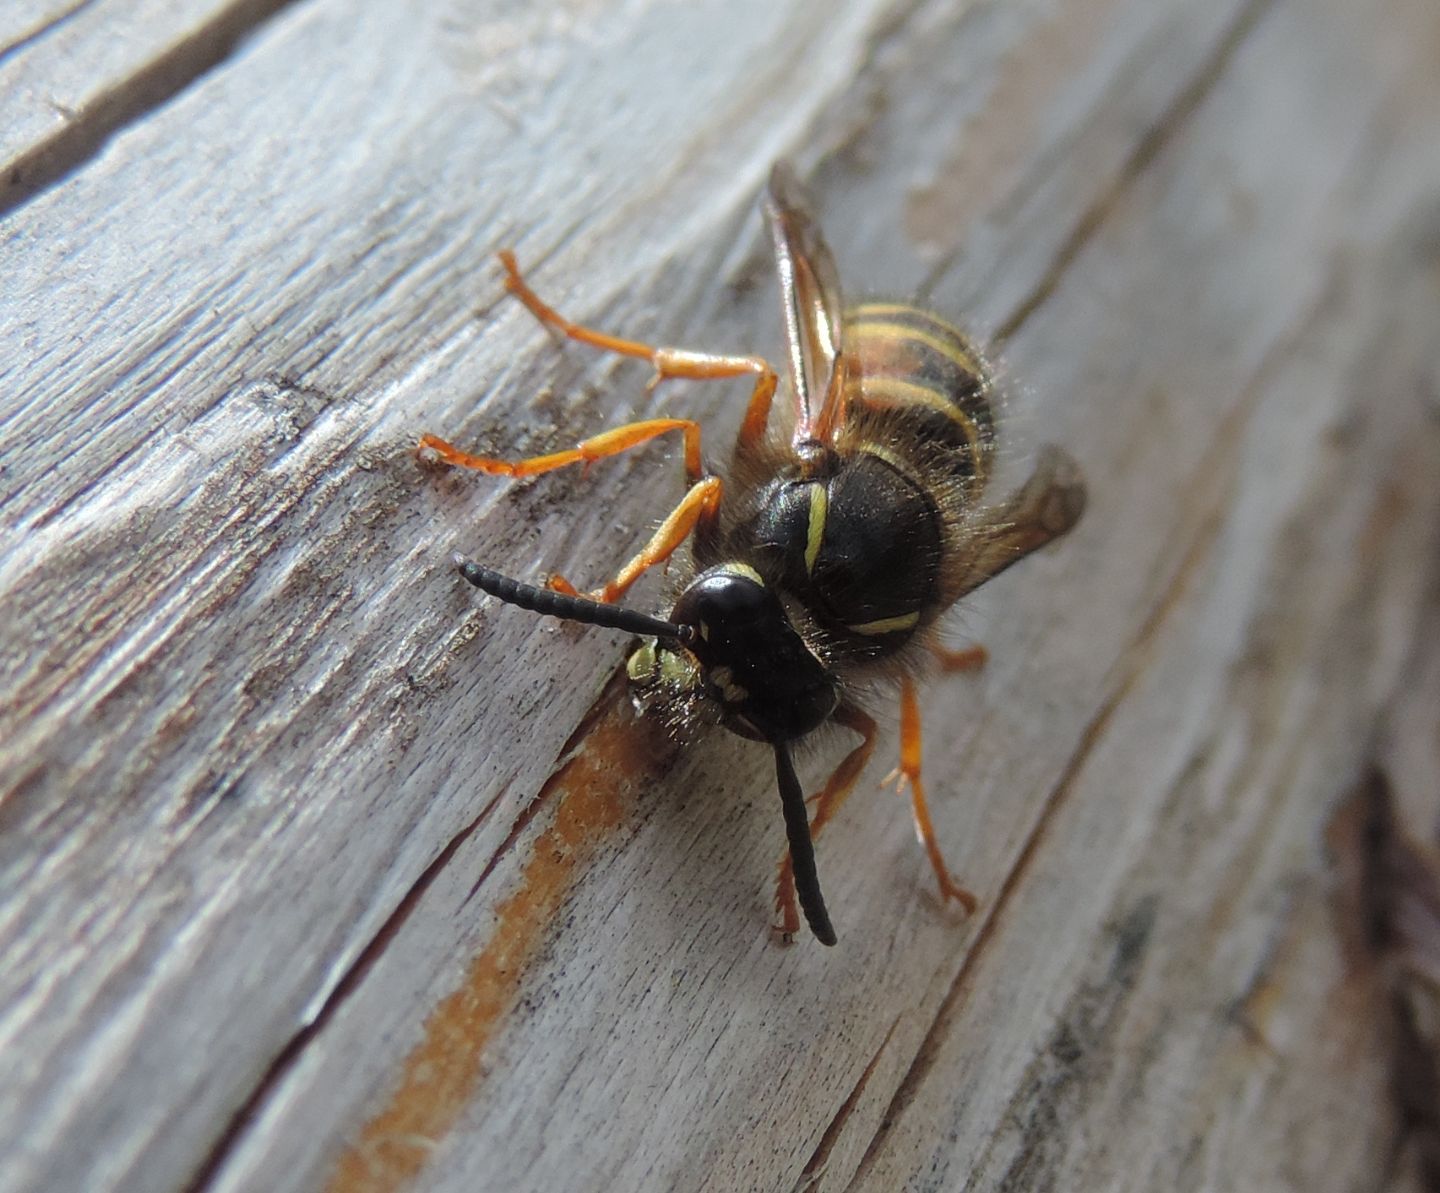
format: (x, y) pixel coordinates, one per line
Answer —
(320, 873)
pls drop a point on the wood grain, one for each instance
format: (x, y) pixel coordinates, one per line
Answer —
(321, 873)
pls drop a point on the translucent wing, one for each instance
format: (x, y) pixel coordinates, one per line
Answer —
(810, 296)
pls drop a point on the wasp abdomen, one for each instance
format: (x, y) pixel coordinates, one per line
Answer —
(916, 379)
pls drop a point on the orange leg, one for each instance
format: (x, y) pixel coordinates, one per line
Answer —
(607, 443)
(699, 505)
(827, 803)
(667, 362)
(972, 658)
(908, 772)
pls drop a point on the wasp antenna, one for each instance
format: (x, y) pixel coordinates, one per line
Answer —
(802, 849)
(568, 608)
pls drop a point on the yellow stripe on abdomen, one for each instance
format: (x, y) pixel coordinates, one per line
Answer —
(878, 392)
(913, 372)
(951, 347)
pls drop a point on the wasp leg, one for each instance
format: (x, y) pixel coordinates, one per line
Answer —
(587, 451)
(1047, 506)
(827, 802)
(698, 507)
(972, 658)
(908, 773)
(667, 362)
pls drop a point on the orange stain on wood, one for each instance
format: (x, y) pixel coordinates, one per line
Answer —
(593, 793)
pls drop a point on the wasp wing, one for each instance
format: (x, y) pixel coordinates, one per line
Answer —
(810, 296)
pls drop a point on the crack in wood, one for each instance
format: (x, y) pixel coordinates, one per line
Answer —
(286, 1059)
(606, 703)
(1210, 486)
(610, 697)
(1060, 1077)
(316, 1103)
(1132, 667)
(814, 1170)
(1144, 153)
(130, 100)
(594, 791)
(1392, 907)
(26, 40)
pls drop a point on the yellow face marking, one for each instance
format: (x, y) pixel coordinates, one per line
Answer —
(743, 569)
(900, 331)
(815, 528)
(678, 670)
(642, 665)
(652, 664)
(886, 625)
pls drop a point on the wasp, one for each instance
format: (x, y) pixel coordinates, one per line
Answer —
(825, 557)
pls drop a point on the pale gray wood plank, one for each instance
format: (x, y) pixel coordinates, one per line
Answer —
(208, 437)
(25, 22)
(72, 73)
(252, 706)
